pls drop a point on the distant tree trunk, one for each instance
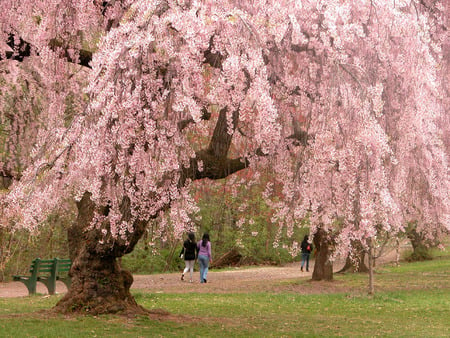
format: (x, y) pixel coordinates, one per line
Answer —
(169, 260)
(5, 233)
(419, 243)
(323, 267)
(371, 266)
(99, 285)
(356, 263)
(397, 252)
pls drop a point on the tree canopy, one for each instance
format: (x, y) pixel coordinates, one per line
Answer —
(345, 102)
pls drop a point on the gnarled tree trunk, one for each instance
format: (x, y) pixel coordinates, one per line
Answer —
(99, 285)
(323, 267)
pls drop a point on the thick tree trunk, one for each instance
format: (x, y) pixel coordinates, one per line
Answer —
(356, 263)
(323, 267)
(99, 285)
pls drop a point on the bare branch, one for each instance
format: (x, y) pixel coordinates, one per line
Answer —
(84, 56)
(19, 51)
(22, 49)
(206, 116)
(6, 180)
(215, 60)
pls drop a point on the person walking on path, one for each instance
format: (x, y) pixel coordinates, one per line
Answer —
(307, 248)
(189, 251)
(204, 256)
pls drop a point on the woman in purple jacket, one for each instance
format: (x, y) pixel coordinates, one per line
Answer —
(204, 256)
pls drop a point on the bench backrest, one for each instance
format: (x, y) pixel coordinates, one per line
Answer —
(49, 266)
(62, 264)
(39, 266)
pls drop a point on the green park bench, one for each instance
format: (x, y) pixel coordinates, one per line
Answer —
(46, 271)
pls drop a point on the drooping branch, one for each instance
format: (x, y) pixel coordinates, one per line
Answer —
(21, 49)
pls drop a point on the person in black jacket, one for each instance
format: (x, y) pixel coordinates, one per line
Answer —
(307, 248)
(189, 251)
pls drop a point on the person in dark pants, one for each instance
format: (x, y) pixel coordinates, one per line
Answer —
(189, 252)
(307, 248)
(204, 256)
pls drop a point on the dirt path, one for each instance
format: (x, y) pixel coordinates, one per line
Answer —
(265, 278)
(218, 281)
(230, 280)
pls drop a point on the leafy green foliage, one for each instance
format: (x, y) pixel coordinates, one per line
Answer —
(220, 212)
(20, 248)
(257, 239)
(145, 261)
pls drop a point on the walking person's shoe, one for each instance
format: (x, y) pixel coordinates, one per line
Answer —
(301, 269)
(182, 276)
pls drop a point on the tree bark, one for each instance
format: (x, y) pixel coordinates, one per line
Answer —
(99, 284)
(420, 245)
(356, 263)
(323, 267)
(371, 266)
(397, 252)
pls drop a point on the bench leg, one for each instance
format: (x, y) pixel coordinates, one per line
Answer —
(51, 286)
(31, 286)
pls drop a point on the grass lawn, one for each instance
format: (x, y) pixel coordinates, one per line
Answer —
(412, 300)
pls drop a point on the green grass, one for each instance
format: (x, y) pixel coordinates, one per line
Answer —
(412, 300)
(417, 275)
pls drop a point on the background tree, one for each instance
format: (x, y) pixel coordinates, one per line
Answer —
(324, 93)
(354, 169)
(23, 119)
